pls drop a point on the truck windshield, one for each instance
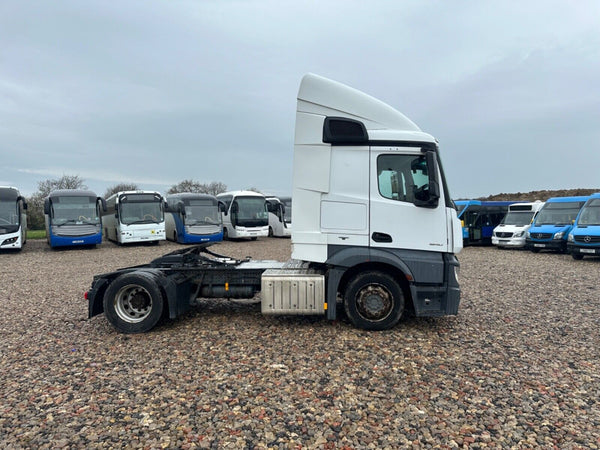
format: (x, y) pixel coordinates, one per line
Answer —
(517, 218)
(9, 213)
(75, 211)
(559, 213)
(202, 212)
(140, 208)
(590, 214)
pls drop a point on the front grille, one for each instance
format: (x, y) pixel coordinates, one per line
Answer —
(503, 234)
(203, 229)
(584, 239)
(76, 230)
(541, 235)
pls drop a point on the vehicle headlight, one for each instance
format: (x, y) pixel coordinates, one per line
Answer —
(559, 235)
(570, 237)
(519, 234)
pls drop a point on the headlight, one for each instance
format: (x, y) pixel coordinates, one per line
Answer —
(570, 237)
(559, 235)
(518, 234)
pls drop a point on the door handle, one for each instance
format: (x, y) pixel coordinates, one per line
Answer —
(381, 237)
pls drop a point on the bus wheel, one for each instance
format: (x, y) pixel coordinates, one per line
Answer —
(374, 301)
(225, 234)
(175, 236)
(270, 232)
(133, 303)
(577, 256)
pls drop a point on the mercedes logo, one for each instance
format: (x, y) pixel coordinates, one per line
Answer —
(587, 239)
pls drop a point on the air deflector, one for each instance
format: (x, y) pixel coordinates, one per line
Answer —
(341, 130)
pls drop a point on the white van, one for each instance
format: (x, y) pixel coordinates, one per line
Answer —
(511, 232)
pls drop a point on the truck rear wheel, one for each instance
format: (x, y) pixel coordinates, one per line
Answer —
(133, 303)
(374, 301)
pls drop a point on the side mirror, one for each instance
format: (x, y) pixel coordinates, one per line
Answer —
(23, 200)
(181, 208)
(428, 195)
(47, 206)
(103, 203)
(235, 207)
(222, 207)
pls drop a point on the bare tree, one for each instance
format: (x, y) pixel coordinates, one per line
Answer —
(215, 188)
(120, 187)
(35, 211)
(212, 188)
(187, 186)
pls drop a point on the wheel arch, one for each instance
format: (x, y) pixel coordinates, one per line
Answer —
(346, 263)
(395, 272)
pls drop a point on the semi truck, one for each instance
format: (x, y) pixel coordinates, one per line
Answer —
(375, 230)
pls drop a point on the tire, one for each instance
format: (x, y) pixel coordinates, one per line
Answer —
(577, 256)
(225, 234)
(133, 303)
(374, 301)
(253, 238)
(270, 232)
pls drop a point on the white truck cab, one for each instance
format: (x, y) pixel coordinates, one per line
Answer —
(370, 199)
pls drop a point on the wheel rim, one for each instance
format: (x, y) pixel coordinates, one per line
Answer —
(374, 302)
(133, 303)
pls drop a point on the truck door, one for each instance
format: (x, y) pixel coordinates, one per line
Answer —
(399, 179)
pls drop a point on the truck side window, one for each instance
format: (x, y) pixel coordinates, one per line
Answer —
(399, 177)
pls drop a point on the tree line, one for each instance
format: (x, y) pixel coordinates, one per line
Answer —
(35, 211)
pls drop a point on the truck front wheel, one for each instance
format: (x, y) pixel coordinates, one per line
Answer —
(133, 303)
(374, 301)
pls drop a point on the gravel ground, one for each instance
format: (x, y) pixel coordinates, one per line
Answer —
(518, 367)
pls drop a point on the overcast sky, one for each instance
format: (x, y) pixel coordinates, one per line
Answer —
(155, 92)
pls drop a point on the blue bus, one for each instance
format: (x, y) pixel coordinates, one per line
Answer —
(479, 218)
(193, 218)
(552, 225)
(73, 218)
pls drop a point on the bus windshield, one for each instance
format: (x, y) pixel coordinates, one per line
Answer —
(517, 218)
(590, 215)
(75, 210)
(202, 212)
(9, 213)
(140, 208)
(251, 211)
(559, 213)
